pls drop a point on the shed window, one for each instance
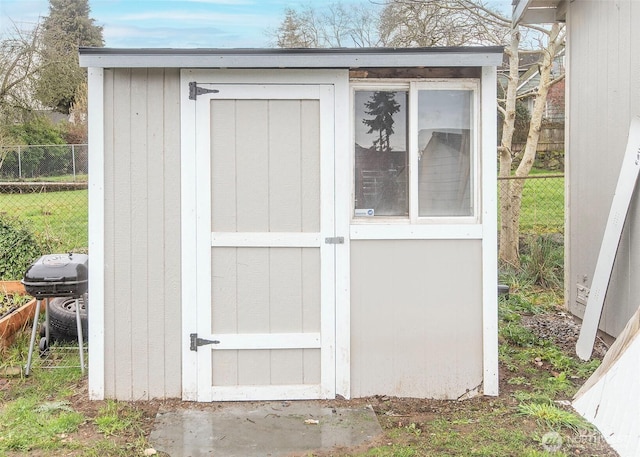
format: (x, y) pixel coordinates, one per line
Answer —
(414, 151)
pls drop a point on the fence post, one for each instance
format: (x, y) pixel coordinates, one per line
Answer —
(19, 165)
(73, 160)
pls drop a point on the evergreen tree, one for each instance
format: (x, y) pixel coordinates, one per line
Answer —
(67, 27)
(382, 106)
(291, 33)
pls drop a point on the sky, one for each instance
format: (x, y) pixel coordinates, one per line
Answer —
(175, 24)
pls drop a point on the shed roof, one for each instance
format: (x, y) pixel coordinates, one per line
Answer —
(477, 56)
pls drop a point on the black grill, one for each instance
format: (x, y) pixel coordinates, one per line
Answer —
(57, 275)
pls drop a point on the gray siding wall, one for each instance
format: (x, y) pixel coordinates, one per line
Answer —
(142, 234)
(416, 318)
(603, 95)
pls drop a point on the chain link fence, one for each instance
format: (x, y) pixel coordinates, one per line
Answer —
(542, 203)
(46, 186)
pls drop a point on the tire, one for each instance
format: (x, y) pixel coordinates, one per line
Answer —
(62, 318)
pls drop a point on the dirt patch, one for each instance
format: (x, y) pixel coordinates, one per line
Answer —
(405, 422)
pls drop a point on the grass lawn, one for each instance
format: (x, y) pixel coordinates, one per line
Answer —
(60, 218)
(542, 205)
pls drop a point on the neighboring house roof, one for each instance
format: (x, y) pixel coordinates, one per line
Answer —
(531, 78)
(293, 58)
(525, 60)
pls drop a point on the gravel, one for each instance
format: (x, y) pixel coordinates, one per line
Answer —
(562, 330)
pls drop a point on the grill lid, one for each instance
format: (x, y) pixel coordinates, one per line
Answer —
(57, 275)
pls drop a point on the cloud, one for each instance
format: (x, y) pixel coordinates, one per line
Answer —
(194, 16)
(187, 26)
(24, 14)
(176, 37)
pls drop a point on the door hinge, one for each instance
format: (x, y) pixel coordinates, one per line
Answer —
(194, 90)
(334, 240)
(197, 342)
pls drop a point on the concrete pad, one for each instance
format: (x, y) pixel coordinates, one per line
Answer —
(261, 429)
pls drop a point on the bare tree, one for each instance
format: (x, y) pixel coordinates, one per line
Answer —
(19, 67)
(410, 23)
(511, 189)
(334, 26)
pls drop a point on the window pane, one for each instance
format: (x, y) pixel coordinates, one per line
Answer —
(445, 122)
(381, 173)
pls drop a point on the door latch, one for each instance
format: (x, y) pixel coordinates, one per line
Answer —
(334, 240)
(197, 342)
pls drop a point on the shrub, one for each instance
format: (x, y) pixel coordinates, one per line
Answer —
(45, 159)
(18, 248)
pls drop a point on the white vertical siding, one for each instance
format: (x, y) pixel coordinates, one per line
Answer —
(603, 95)
(142, 234)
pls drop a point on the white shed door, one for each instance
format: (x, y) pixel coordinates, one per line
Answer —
(265, 301)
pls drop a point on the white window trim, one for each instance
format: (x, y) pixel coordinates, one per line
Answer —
(438, 223)
(370, 85)
(458, 84)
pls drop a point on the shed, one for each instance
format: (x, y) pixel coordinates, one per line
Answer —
(292, 224)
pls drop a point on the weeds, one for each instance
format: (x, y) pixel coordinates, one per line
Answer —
(52, 406)
(392, 451)
(518, 335)
(11, 302)
(413, 428)
(115, 417)
(541, 265)
(551, 416)
(25, 425)
(542, 260)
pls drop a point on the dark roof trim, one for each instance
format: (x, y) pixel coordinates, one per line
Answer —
(291, 58)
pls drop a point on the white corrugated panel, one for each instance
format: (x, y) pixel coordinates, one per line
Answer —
(613, 402)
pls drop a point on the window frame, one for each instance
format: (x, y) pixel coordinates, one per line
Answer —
(412, 87)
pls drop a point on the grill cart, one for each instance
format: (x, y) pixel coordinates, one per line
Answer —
(56, 275)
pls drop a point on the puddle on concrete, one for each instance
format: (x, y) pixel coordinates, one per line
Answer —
(272, 429)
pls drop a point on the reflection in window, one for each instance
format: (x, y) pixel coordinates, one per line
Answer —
(381, 173)
(444, 152)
